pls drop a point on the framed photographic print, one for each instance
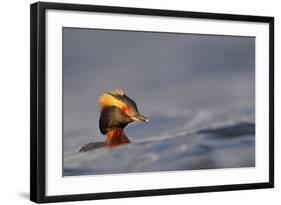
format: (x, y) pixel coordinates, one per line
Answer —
(129, 102)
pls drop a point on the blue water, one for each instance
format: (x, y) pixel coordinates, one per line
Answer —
(222, 146)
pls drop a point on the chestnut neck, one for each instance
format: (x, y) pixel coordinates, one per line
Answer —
(116, 137)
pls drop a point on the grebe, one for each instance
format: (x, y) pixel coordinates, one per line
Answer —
(117, 111)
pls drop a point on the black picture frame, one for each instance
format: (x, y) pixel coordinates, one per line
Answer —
(38, 101)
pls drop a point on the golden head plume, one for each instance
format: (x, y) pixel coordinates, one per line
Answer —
(109, 98)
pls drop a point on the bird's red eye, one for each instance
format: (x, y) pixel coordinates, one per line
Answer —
(124, 109)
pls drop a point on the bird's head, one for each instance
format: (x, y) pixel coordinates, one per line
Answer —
(117, 110)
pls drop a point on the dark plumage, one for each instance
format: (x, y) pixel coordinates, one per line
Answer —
(111, 118)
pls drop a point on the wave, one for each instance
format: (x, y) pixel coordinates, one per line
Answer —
(228, 146)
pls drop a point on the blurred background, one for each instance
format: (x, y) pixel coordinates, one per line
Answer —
(197, 90)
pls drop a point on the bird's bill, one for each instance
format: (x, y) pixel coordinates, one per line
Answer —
(140, 117)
